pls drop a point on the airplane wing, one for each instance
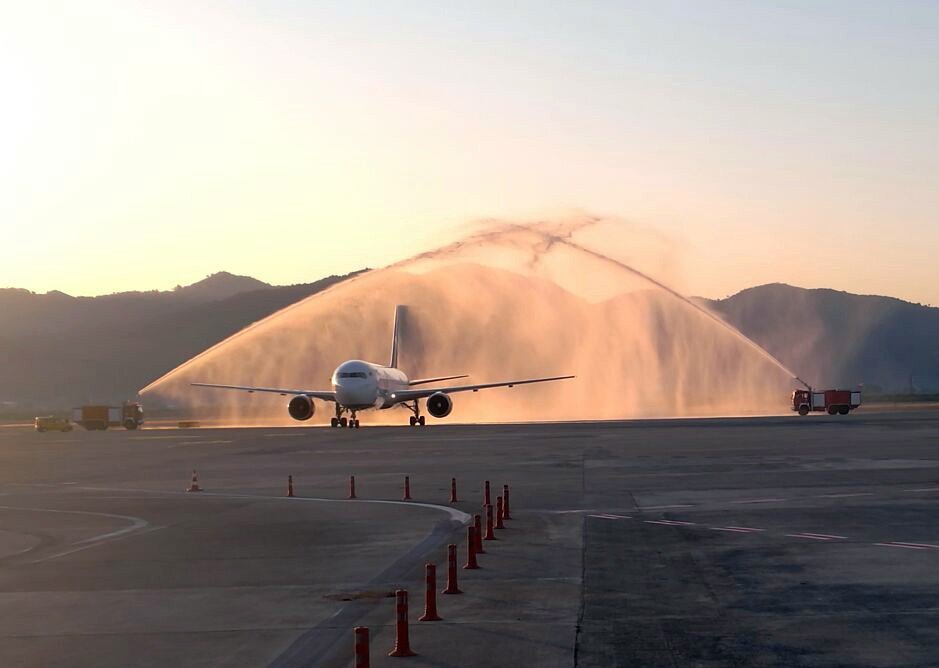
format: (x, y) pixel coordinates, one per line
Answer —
(325, 395)
(409, 395)
(424, 381)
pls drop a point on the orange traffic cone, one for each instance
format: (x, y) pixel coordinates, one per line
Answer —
(194, 485)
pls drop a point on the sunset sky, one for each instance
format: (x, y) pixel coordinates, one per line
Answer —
(148, 144)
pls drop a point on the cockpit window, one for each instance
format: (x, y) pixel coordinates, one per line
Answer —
(353, 374)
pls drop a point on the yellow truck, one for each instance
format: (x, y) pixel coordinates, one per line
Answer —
(51, 423)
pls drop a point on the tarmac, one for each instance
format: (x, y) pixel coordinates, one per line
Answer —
(778, 541)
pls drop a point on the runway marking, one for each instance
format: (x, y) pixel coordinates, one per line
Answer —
(760, 501)
(674, 505)
(671, 523)
(902, 545)
(734, 529)
(621, 517)
(812, 536)
(218, 442)
(137, 523)
(923, 489)
(604, 517)
(844, 496)
(458, 515)
(926, 546)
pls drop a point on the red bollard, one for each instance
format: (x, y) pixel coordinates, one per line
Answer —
(505, 502)
(290, 485)
(471, 549)
(453, 498)
(478, 525)
(499, 511)
(486, 500)
(489, 534)
(430, 595)
(194, 484)
(361, 647)
(402, 644)
(351, 486)
(407, 488)
(452, 586)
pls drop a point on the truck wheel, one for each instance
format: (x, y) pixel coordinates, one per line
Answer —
(844, 410)
(130, 424)
(803, 410)
(832, 410)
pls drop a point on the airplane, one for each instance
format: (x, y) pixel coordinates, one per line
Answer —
(359, 385)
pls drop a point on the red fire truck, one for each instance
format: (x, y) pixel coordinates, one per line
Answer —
(833, 401)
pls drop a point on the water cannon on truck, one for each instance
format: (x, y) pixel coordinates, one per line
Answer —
(834, 402)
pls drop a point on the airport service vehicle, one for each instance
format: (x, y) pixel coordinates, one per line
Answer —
(128, 415)
(833, 401)
(51, 423)
(359, 385)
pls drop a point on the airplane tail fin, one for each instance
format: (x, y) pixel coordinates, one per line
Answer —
(400, 310)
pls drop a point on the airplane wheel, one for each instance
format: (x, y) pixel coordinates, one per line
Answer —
(343, 422)
(334, 422)
(421, 420)
(412, 420)
(356, 423)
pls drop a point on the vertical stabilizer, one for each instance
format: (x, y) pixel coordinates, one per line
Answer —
(396, 335)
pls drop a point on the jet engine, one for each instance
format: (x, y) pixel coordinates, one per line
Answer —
(439, 404)
(301, 407)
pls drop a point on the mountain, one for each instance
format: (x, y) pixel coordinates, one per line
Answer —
(839, 339)
(221, 285)
(59, 350)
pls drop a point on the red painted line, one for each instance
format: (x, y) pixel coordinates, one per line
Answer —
(670, 523)
(808, 536)
(926, 546)
(732, 529)
(823, 535)
(908, 547)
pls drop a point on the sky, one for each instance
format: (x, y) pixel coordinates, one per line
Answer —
(145, 145)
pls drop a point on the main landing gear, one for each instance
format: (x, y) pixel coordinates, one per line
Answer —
(341, 421)
(416, 420)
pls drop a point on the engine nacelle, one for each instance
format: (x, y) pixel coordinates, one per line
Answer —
(300, 407)
(439, 404)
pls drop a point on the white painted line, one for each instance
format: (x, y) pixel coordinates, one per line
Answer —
(621, 517)
(603, 517)
(747, 528)
(844, 496)
(609, 516)
(808, 536)
(137, 523)
(907, 547)
(670, 523)
(760, 501)
(674, 505)
(923, 489)
(926, 546)
(731, 529)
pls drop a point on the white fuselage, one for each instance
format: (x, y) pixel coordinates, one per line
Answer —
(359, 385)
